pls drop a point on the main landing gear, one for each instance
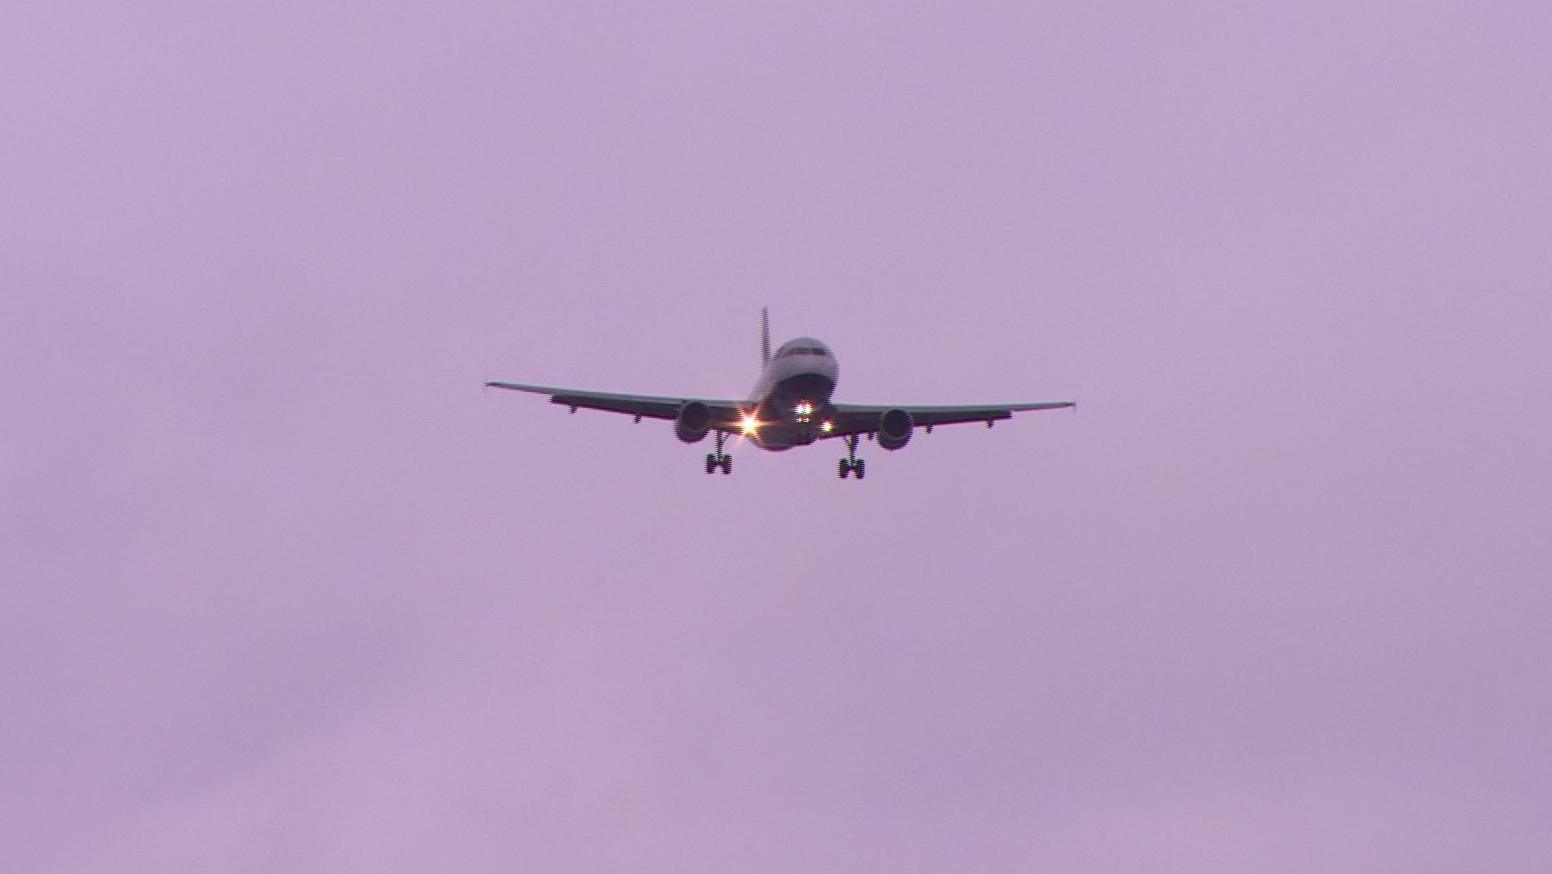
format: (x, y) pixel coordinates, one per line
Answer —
(719, 458)
(851, 462)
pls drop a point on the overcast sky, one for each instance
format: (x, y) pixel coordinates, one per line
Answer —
(283, 589)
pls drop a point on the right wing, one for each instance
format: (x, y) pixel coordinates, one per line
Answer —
(859, 419)
(725, 414)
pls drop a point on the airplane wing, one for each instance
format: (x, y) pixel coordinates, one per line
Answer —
(860, 419)
(725, 414)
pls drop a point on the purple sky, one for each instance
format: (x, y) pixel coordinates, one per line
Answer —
(282, 589)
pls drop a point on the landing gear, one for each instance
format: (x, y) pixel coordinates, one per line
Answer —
(851, 463)
(719, 459)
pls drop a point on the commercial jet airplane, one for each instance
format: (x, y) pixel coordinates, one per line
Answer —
(790, 406)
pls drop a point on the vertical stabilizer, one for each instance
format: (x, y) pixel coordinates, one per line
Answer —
(765, 336)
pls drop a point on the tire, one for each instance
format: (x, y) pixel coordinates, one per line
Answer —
(711, 463)
(842, 468)
(861, 469)
(727, 464)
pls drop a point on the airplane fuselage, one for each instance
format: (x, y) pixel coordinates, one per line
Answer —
(791, 401)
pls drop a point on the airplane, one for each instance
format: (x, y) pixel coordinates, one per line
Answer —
(789, 406)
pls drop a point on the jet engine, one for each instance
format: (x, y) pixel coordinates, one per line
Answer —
(693, 422)
(894, 428)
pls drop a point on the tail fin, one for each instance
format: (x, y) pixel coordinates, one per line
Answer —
(765, 336)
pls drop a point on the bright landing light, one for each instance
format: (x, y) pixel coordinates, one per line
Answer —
(749, 424)
(827, 426)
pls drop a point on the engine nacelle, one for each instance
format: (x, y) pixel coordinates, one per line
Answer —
(894, 429)
(693, 422)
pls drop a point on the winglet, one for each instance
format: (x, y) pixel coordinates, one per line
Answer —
(765, 336)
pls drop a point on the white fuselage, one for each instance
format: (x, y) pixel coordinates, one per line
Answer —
(792, 398)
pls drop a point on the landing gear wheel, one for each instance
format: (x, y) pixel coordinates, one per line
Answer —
(719, 459)
(851, 463)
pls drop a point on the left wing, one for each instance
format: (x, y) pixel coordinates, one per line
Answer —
(724, 413)
(860, 419)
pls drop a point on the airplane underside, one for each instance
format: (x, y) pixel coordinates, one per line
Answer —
(795, 413)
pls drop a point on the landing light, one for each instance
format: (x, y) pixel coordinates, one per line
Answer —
(749, 424)
(827, 426)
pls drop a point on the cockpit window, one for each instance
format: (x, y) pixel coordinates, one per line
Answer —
(801, 350)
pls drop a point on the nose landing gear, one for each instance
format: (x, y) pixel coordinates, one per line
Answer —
(851, 463)
(719, 459)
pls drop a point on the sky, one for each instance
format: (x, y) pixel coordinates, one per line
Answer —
(284, 589)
